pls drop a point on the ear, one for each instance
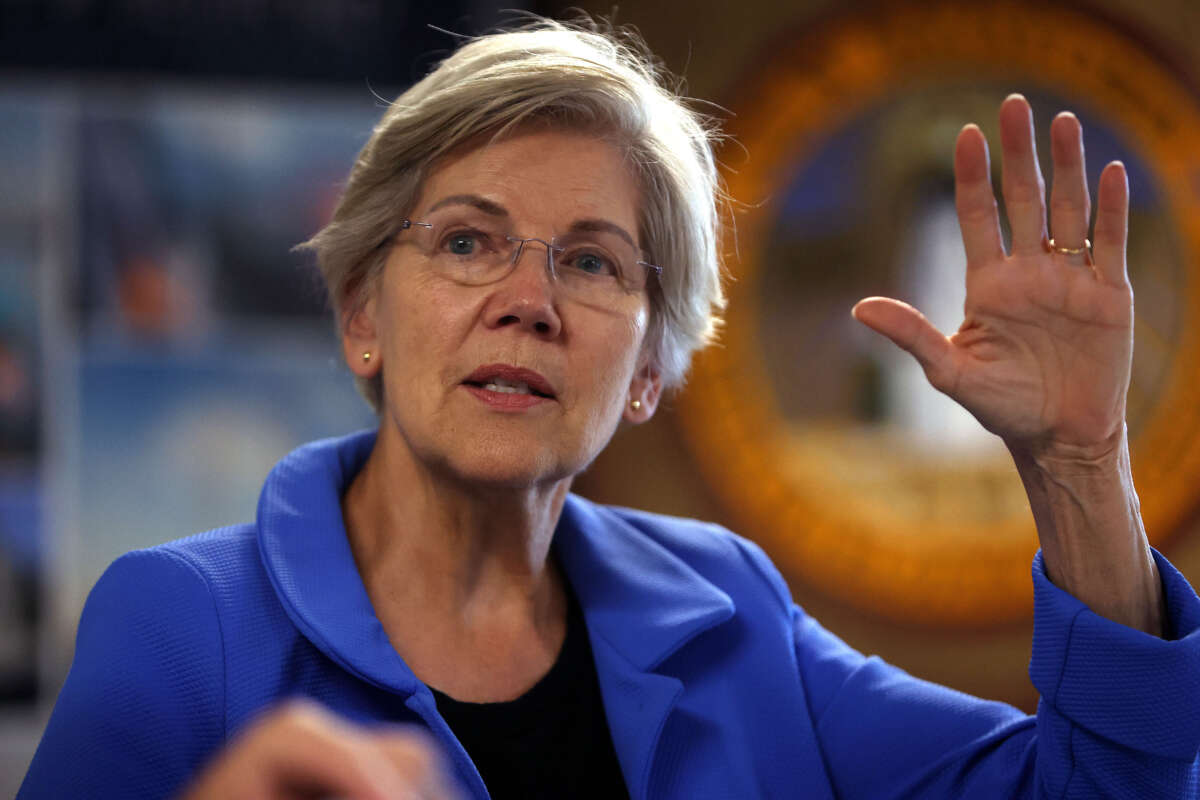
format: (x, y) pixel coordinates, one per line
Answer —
(360, 335)
(645, 389)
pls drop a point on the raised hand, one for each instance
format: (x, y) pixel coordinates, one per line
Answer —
(1042, 358)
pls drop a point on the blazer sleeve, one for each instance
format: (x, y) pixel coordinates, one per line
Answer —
(142, 706)
(1119, 715)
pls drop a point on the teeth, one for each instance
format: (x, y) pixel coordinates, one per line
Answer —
(507, 387)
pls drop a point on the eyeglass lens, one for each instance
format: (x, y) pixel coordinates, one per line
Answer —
(475, 249)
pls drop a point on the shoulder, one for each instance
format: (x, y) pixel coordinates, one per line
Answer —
(144, 702)
(220, 555)
(156, 594)
(717, 553)
(206, 562)
(162, 623)
(175, 599)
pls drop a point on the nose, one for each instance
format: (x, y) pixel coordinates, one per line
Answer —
(526, 298)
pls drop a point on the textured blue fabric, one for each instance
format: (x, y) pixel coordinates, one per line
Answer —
(715, 684)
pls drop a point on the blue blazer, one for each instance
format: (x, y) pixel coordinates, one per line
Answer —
(715, 684)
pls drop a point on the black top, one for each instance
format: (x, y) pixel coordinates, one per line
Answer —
(551, 742)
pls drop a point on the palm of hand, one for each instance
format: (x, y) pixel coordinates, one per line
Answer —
(1042, 358)
(1043, 353)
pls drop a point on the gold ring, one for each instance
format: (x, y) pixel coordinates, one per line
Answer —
(1051, 247)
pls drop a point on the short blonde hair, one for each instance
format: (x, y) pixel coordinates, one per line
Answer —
(576, 76)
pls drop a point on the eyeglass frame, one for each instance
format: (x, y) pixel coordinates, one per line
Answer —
(406, 224)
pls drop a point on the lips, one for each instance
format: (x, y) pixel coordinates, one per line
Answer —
(508, 377)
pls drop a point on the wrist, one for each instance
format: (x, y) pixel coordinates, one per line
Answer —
(1090, 529)
(1107, 458)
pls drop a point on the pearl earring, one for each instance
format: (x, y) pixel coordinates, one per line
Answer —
(366, 357)
(635, 405)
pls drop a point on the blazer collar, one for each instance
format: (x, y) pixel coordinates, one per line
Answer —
(307, 556)
(638, 596)
(641, 599)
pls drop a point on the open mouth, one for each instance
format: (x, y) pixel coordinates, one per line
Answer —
(508, 387)
(509, 379)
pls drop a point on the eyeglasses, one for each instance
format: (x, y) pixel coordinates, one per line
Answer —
(593, 266)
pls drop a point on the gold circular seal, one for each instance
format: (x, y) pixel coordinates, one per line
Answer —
(807, 428)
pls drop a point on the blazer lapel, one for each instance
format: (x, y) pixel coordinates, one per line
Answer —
(304, 549)
(642, 604)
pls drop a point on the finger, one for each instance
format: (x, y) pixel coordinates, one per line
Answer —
(1112, 225)
(1023, 187)
(417, 758)
(976, 204)
(299, 748)
(364, 765)
(308, 748)
(1070, 207)
(911, 331)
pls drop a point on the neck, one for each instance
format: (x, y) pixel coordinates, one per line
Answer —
(459, 574)
(426, 539)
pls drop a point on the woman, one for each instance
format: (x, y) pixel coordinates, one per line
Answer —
(526, 254)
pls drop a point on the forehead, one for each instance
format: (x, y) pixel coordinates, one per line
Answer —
(541, 177)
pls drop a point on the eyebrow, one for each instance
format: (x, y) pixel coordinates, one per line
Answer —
(474, 200)
(589, 225)
(601, 226)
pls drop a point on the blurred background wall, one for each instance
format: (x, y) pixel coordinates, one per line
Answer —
(161, 347)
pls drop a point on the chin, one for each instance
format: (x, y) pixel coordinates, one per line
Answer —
(509, 464)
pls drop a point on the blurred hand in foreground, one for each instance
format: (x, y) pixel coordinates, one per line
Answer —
(302, 752)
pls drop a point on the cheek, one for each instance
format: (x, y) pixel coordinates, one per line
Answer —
(616, 366)
(424, 315)
(422, 329)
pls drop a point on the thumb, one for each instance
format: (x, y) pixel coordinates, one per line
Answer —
(909, 330)
(419, 762)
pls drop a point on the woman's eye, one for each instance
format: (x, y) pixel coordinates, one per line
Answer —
(462, 244)
(594, 264)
